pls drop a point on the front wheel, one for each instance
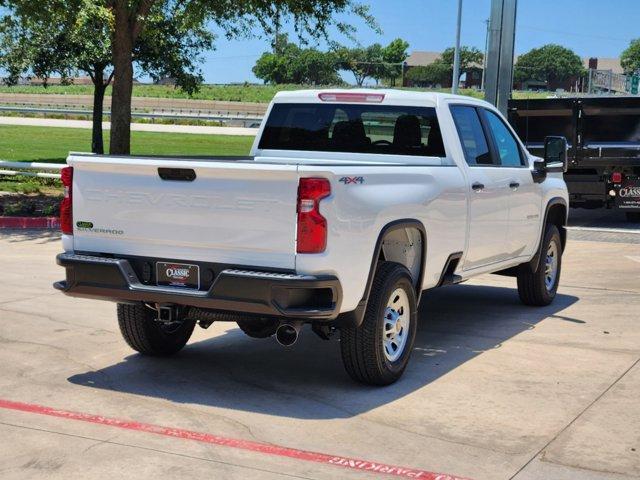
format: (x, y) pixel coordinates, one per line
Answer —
(377, 352)
(145, 334)
(540, 288)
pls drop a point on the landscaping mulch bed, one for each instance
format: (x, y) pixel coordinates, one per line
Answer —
(29, 205)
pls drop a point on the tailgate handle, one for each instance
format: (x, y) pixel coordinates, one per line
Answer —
(177, 174)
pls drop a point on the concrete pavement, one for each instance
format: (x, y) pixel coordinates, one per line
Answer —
(495, 390)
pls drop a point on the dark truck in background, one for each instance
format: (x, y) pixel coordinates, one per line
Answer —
(604, 146)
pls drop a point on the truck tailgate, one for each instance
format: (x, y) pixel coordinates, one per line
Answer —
(235, 212)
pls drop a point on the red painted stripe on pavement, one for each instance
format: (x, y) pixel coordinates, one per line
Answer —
(29, 222)
(265, 448)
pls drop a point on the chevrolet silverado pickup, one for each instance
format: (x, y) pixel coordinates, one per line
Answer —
(352, 203)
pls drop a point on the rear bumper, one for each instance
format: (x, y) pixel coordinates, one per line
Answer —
(235, 290)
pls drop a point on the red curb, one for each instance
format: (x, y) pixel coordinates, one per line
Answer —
(30, 222)
(238, 444)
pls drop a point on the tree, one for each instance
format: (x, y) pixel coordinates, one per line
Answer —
(549, 63)
(394, 56)
(234, 17)
(290, 63)
(75, 36)
(630, 58)
(362, 62)
(431, 75)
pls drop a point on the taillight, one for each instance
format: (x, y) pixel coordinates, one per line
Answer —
(312, 227)
(66, 206)
(616, 177)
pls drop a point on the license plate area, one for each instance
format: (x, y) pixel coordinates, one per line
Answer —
(179, 275)
(628, 196)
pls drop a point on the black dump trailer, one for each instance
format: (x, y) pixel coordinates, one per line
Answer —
(604, 140)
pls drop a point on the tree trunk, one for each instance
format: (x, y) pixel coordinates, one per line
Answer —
(122, 82)
(99, 88)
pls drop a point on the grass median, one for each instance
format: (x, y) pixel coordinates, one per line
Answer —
(36, 196)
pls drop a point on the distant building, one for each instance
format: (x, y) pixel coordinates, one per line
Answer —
(469, 78)
(472, 77)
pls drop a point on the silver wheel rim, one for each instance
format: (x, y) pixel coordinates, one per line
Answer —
(551, 266)
(395, 327)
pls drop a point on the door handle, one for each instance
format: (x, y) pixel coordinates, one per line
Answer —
(514, 185)
(477, 187)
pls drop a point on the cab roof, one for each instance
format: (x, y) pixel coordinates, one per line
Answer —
(369, 95)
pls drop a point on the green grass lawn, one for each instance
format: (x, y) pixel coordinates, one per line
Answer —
(52, 145)
(49, 144)
(236, 93)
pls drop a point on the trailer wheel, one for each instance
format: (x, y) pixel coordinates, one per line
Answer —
(539, 288)
(145, 334)
(377, 352)
(633, 217)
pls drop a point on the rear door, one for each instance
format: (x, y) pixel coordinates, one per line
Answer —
(230, 212)
(489, 184)
(524, 197)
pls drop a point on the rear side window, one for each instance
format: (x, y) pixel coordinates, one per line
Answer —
(474, 143)
(377, 129)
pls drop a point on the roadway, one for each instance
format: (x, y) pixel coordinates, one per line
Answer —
(139, 127)
(495, 390)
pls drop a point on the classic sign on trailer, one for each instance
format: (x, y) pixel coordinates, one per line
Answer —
(604, 140)
(352, 203)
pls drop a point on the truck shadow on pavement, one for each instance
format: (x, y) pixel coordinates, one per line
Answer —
(308, 381)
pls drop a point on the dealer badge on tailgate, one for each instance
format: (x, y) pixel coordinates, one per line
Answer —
(180, 275)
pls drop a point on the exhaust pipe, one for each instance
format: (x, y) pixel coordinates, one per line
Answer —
(287, 333)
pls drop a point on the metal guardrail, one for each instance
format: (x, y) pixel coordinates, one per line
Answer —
(31, 166)
(219, 117)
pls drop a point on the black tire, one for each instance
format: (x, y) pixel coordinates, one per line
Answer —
(363, 350)
(144, 334)
(633, 217)
(532, 287)
(258, 327)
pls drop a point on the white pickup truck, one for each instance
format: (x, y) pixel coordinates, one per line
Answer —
(352, 203)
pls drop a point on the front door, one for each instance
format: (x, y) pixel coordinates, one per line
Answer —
(488, 199)
(525, 201)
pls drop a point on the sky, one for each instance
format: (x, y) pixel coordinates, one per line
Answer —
(592, 28)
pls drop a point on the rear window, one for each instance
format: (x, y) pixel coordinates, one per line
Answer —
(378, 129)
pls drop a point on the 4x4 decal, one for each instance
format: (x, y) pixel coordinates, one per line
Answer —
(348, 180)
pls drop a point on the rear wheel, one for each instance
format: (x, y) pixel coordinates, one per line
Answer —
(539, 288)
(633, 217)
(377, 352)
(145, 334)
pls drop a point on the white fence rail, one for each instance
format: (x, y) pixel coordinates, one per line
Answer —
(24, 167)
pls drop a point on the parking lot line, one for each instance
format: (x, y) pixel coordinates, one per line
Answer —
(247, 445)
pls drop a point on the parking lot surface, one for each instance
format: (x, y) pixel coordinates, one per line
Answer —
(495, 389)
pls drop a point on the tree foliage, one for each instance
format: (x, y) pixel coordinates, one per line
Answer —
(76, 37)
(374, 61)
(630, 58)
(440, 72)
(289, 63)
(548, 63)
(130, 22)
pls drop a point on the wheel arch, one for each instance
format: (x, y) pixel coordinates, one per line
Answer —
(556, 213)
(355, 317)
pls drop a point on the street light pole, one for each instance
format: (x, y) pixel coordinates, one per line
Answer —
(456, 56)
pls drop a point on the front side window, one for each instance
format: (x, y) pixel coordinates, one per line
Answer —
(474, 143)
(506, 144)
(357, 128)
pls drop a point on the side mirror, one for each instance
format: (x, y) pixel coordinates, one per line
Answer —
(555, 154)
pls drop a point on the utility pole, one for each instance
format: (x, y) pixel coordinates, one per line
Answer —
(456, 57)
(502, 32)
(484, 59)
